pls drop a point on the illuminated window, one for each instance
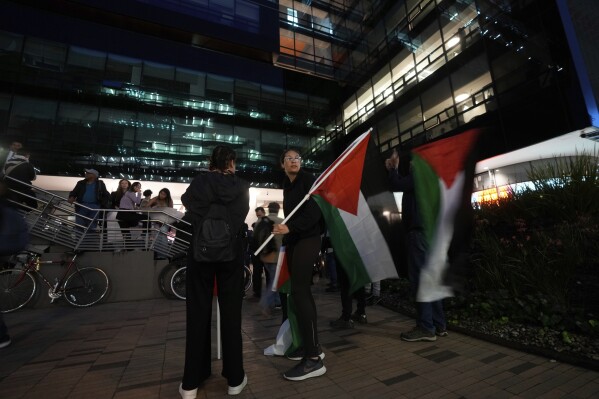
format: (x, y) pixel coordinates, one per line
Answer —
(292, 16)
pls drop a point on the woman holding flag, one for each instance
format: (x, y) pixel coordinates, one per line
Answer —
(302, 234)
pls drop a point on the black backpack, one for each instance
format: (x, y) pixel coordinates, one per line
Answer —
(213, 238)
(262, 230)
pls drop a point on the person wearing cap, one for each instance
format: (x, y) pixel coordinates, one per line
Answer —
(89, 194)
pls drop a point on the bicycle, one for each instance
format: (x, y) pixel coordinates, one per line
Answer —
(166, 274)
(179, 277)
(81, 287)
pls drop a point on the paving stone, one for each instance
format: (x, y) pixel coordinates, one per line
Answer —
(137, 349)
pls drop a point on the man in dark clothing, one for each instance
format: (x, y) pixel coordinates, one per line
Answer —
(22, 171)
(91, 194)
(13, 149)
(430, 321)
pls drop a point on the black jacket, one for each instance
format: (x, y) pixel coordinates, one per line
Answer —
(410, 216)
(207, 187)
(20, 169)
(307, 221)
(102, 194)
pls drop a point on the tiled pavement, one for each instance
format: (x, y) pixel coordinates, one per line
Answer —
(136, 350)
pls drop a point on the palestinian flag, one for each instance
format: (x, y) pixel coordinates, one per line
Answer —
(353, 195)
(443, 177)
(282, 284)
(281, 281)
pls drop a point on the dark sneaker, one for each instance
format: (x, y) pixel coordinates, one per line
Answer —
(373, 300)
(5, 341)
(418, 334)
(298, 354)
(359, 318)
(305, 369)
(342, 324)
(441, 332)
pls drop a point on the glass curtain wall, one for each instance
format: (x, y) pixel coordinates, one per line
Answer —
(425, 39)
(423, 36)
(134, 117)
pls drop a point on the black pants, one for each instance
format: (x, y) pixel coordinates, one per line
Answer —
(300, 259)
(200, 284)
(127, 220)
(258, 268)
(346, 297)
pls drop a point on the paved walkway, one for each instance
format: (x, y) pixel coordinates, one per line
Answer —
(136, 350)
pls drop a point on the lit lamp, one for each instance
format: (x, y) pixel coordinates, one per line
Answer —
(452, 42)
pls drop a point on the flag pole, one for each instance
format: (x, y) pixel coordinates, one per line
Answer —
(306, 198)
(218, 344)
(317, 184)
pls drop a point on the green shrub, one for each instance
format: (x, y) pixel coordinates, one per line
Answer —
(535, 253)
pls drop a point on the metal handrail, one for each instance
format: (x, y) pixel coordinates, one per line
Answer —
(54, 220)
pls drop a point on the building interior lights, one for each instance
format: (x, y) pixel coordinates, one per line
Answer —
(461, 97)
(452, 42)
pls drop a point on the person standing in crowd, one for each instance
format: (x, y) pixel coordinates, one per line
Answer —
(271, 299)
(14, 238)
(90, 194)
(162, 200)
(347, 319)
(113, 235)
(430, 321)
(129, 202)
(22, 171)
(115, 196)
(145, 202)
(302, 239)
(145, 205)
(331, 264)
(13, 149)
(257, 265)
(219, 185)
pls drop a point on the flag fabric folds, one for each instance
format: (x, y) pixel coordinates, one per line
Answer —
(290, 338)
(443, 177)
(281, 280)
(353, 195)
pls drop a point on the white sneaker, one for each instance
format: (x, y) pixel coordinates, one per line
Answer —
(191, 394)
(237, 390)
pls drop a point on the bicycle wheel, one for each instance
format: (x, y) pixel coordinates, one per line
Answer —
(247, 278)
(16, 289)
(178, 282)
(166, 275)
(86, 286)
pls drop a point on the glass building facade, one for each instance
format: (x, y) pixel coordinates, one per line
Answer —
(145, 89)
